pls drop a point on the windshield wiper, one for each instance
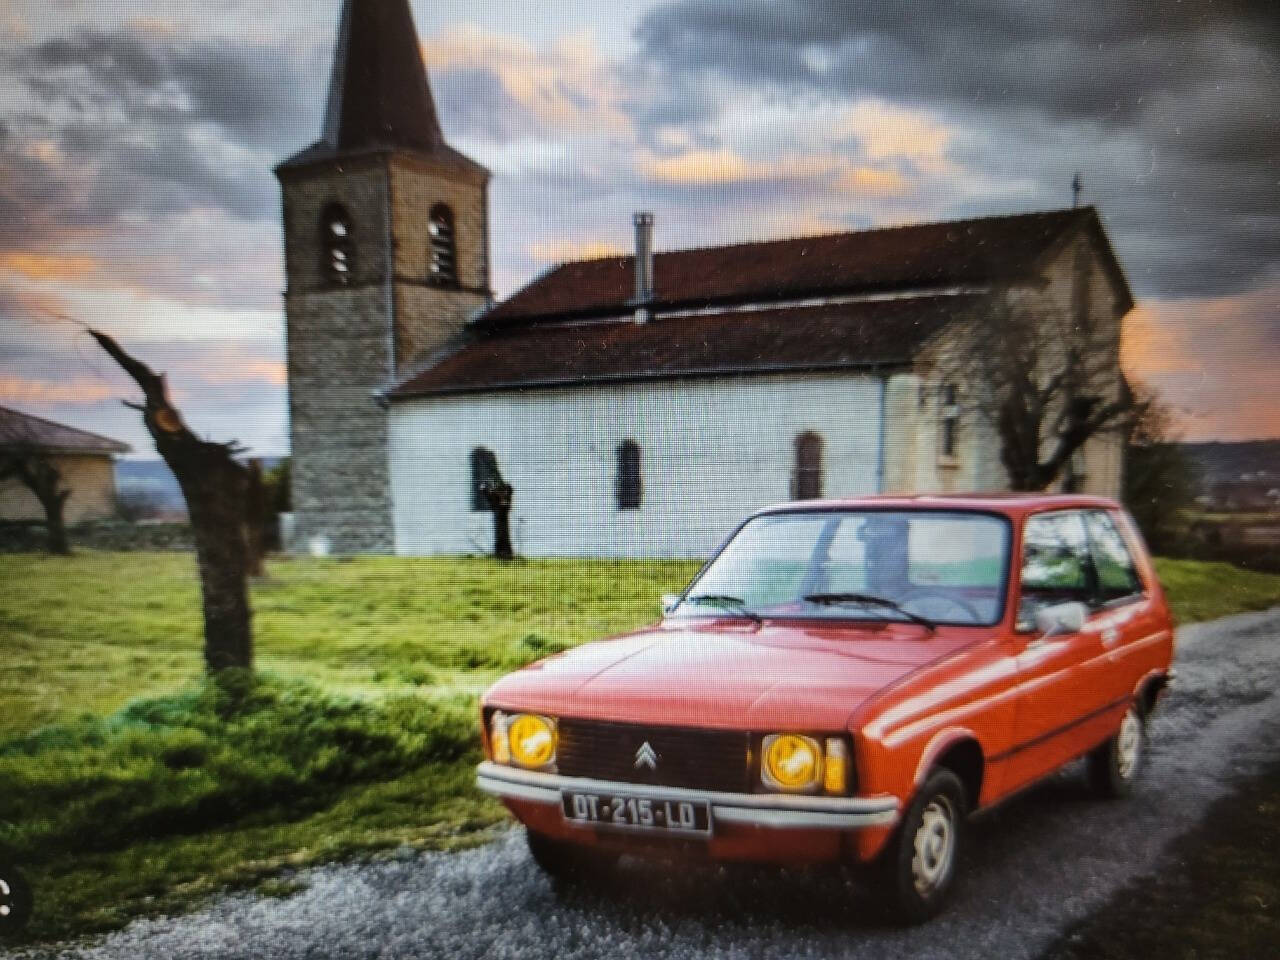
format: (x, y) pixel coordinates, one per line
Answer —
(737, 604)
(869, 600)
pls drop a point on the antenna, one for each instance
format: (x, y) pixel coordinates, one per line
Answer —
(1076, 187)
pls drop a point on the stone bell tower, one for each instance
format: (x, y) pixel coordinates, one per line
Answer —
(386, 241)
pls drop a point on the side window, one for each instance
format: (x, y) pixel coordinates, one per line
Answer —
(1057, 566)
(630, 486)
(806, 479)
(1117, 573)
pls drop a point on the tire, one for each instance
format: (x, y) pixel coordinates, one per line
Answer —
(15, 900)
(918, 868)
(567, 862)
(1115, 765)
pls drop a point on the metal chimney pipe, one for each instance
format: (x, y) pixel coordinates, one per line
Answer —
(644, 264)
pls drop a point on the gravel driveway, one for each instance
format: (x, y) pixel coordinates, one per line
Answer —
(1042, 860)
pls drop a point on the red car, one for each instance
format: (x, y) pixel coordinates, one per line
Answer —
(845, 681)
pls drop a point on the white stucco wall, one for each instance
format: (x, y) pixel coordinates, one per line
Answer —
(713, 451)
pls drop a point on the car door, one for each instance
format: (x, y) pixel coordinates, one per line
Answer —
(1057, 675)
(1130, 627)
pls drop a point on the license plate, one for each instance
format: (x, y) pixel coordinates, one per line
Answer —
(634, 813)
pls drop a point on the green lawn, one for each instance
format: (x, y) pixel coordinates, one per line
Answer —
(128, 784)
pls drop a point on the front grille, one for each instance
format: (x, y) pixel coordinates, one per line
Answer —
(686, 757)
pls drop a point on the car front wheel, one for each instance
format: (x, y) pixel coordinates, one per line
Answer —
(15, 900)
(918, 868)
(1115, 765)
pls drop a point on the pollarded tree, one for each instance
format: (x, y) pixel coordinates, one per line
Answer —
(215, 487)
(22, 459)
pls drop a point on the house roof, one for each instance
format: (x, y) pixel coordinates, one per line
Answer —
(838, 301)
(844, 335)
(21, 430)
(379, 96)
(925, 255)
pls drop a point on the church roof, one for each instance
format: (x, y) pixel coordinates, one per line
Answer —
(22, 431)
(978, 251)
(838, 301)
(379, 95)
(881, 332)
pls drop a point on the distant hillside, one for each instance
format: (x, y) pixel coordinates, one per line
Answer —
(1234, 462)
(151, 482)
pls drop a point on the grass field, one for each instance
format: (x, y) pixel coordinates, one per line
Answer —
(128, 784)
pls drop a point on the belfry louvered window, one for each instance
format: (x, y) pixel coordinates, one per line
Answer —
(444, 251)
(337, 244)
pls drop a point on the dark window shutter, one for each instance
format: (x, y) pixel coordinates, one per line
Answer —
(806, 482)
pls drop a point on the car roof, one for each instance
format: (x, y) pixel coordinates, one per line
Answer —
(1008, 504)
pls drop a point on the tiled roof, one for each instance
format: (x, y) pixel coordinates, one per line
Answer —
(859, 334)
(23, 430)
(926, 255)
(828, 302)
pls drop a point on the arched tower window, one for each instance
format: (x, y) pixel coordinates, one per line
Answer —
(337, 243)
(444, 251)
(484, 469)
(630, 484)
(806, 482)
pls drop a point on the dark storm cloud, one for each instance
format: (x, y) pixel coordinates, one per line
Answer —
(149, 126)
(1170, 109)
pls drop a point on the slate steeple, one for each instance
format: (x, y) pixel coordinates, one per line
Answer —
(379, 95)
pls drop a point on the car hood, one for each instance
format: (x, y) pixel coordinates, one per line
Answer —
(727, 673)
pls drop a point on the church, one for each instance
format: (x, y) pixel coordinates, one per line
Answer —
(641, 405)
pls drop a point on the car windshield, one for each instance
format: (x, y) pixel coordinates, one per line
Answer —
(933, 567)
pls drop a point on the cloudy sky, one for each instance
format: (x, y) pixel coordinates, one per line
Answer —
(137, 141)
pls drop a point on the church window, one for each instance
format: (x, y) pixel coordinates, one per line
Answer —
(444, 253)
(806, 481)
(949, 422)
(484, 469)
(630, 485)
(336, 237)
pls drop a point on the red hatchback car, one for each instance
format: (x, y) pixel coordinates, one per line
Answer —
(845, 681)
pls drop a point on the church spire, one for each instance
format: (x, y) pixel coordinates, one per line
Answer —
(378, 94)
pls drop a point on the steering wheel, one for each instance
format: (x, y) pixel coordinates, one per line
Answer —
(928, 594)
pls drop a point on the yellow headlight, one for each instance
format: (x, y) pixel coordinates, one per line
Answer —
(532, 739)
(791, 762)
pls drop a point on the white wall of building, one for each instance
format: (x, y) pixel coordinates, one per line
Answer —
(713, 451)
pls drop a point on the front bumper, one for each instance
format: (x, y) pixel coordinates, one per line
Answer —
(776, 811)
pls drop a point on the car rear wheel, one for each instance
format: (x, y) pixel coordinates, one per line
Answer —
(1115, 765)
(918, 868)
(567, 862)
(15, 900)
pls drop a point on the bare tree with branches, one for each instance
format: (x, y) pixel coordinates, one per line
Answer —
(215, 487)
(22, 459)
(1043, 381)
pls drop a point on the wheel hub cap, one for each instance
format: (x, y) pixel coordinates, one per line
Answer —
(934, 845)
(1128, 745)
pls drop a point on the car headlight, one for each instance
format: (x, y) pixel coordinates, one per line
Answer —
(530, 740)
(791, 762)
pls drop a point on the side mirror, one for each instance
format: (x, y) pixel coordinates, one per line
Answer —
(669, 602)
(1061, 618)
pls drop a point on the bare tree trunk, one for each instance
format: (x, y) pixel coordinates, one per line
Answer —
(55, 525)
(255, 517)
(498, 494)
(214, 486)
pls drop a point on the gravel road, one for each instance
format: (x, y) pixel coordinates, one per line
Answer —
(1039, 862)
